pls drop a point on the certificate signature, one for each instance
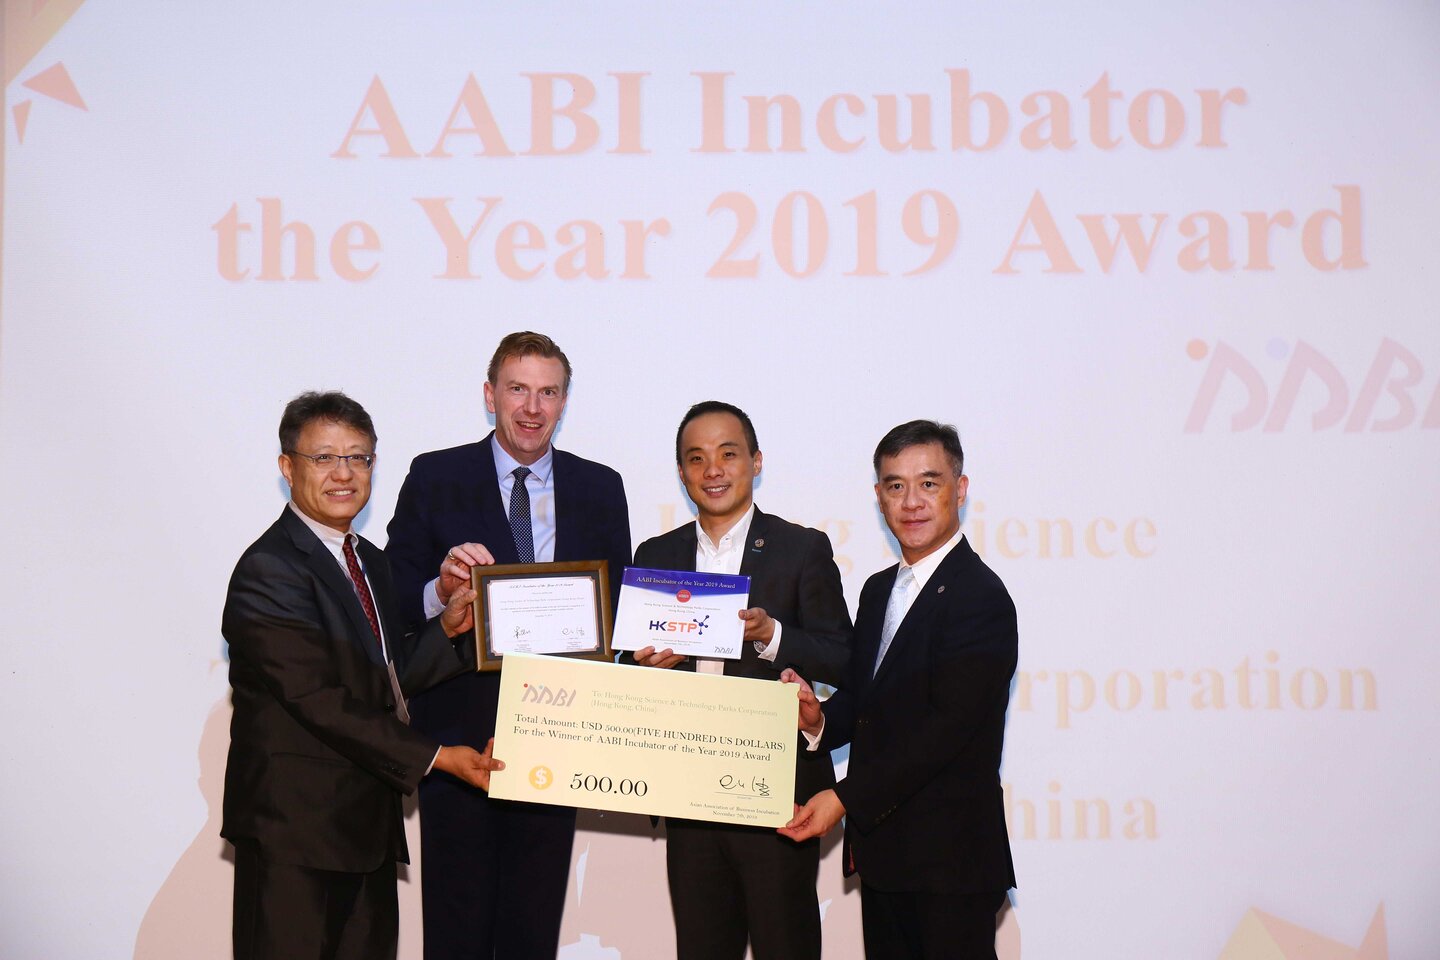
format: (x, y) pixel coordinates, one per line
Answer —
(744, 786)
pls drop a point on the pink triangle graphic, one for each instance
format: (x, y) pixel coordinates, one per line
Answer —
(1376, 945)
(21, 111)
(55, 82)
(1297, 943)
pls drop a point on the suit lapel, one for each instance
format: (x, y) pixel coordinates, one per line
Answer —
(492, 506)
(927, 604)
(869, 624)
(323, 564)
(567, 504)
(683, 546)
(754, 563)
(755, 560)
(377, 571)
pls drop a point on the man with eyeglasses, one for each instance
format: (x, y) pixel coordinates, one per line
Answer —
(494, 873)
(320, 751)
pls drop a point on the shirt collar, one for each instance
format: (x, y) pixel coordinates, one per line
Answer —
(926, 567)
(335, 539)
(506, 464)
(735, 534)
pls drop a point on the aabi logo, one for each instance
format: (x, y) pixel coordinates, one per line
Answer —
(539, 693)
(1386, 400)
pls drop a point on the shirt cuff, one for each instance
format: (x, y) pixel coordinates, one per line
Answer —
(814, 741)
(430, 600)
(433, 759)
(772, 649)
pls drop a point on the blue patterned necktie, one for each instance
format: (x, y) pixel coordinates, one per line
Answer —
(520, 516)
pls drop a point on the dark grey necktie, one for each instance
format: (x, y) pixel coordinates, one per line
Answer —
(520, 516)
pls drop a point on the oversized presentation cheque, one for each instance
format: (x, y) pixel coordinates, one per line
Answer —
(642, 740)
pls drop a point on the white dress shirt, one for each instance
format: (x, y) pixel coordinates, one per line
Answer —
(334, 541)
(541, 484)
(924, 569)
(725, 557)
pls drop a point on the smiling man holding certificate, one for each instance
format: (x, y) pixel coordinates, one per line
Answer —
(495, 874)
(731, 884)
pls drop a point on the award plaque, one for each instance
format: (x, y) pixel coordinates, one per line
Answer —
(554, 609)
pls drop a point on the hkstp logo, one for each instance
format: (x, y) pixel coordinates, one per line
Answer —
(1388, 399)
(696, 627)
(539, 693)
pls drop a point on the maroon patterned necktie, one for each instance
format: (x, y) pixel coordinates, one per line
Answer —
(362, 589)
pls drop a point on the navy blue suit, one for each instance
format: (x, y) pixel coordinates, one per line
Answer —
(924, 815)
(493, 873)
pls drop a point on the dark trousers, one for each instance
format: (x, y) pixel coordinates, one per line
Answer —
(493, 874)
(929, 926)
(286, 912)
(730, 884)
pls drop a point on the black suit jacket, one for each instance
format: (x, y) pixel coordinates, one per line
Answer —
(922, 795)
(451, 496)
(793, 576)
(318, 759)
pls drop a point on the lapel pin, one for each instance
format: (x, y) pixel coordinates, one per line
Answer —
(759, 542)
(942, 589)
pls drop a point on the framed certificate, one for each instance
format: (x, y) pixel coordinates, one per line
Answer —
(557, 609)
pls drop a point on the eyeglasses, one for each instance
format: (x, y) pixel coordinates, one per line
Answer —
(329, 461)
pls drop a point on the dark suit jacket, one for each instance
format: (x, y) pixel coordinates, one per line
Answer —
(793, 576)
(318, 759)
(922, 792)
(451, 496)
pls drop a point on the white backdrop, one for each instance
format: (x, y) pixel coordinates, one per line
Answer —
(1207, 472)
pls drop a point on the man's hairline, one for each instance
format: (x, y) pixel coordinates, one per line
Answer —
(743, 442)
(564, 374)
(372, 442)
(957, 474)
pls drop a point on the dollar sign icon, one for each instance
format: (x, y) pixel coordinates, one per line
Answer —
(541, 777)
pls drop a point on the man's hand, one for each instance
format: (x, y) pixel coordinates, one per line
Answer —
(455, 568)
(463, 762)
(812, 718)
(650, 657)
(458, 615)
(759, 625)
(815, 818)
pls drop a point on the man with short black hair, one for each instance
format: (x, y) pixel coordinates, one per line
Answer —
(923, 710)
(494, 873)
(319, 666)
(730, 884)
